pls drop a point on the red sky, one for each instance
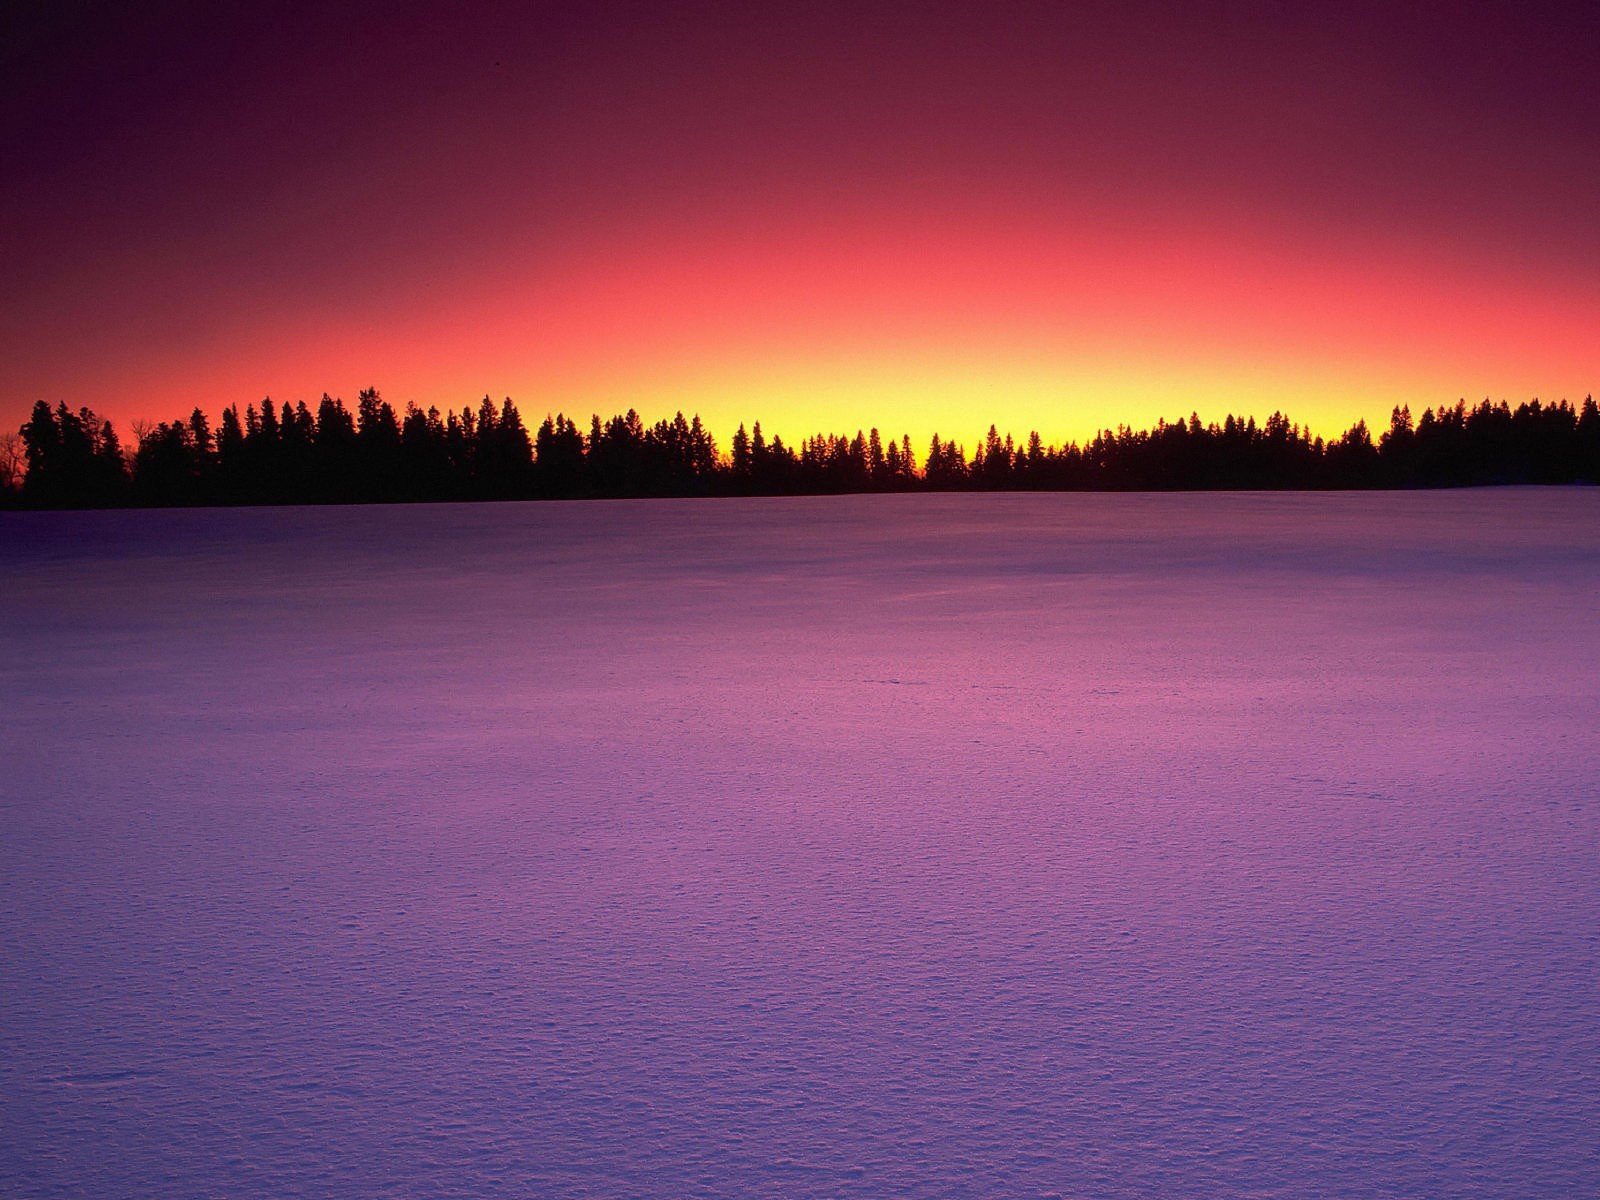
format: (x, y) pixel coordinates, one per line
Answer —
(822, 216)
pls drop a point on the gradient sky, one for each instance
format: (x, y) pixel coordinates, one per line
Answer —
(1050, 216)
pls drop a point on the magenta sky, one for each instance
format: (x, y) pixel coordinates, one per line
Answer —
(1046, 215)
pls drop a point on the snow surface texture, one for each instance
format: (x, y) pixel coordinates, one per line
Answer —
(918, 846)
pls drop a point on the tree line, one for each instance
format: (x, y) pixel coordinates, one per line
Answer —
(283, 454)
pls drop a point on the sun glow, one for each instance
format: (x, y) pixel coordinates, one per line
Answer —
(918, 329)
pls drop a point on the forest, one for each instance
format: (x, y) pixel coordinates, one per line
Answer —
(283, 454)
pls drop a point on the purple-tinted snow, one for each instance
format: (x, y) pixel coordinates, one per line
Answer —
(927, 846)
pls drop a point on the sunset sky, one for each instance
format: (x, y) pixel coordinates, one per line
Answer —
(822, 216)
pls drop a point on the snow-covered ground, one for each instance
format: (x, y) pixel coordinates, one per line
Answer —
(865, 847)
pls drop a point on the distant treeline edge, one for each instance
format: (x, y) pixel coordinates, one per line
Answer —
(283, 454)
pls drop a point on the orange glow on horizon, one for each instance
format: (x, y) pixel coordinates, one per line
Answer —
(917, 328)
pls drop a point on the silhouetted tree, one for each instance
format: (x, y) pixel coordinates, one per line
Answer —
(276, 453)
(74, 459)
(559, 466)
